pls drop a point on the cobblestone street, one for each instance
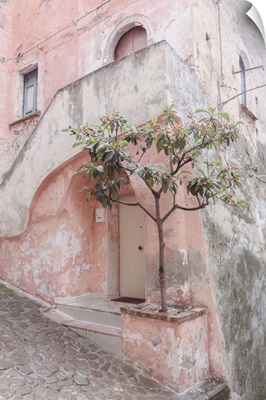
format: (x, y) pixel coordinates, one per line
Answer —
(41, 360)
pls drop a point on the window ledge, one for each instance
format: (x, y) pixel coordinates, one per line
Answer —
(247, 112)
(28, 117)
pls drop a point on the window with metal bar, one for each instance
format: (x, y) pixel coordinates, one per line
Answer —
(243, 81)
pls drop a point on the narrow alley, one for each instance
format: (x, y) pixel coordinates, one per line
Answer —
(41, 360)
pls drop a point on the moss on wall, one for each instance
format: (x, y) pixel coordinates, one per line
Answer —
(240, 282)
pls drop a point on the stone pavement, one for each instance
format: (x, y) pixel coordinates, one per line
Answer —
(41, 360)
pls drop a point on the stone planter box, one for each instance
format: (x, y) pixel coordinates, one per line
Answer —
(171, 347)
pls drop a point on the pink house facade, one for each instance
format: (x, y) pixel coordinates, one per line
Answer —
(65, 66)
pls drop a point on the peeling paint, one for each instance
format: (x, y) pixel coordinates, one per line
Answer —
(179, 352)
(51, 245)
(184, 256)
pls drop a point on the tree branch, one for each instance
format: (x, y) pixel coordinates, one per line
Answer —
(154, 192)
(134, 205)
(177, 206)
(188, 160)
(240, 94)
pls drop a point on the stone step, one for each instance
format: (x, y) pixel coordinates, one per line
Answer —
(97, 317)
(210, 389)
(104, 329)
(100, 327)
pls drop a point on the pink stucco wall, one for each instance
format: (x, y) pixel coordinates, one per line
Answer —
(5, 82)
(189, 279)
(62, 252)
(66, 43)
(71, 41)
(172, 349)
(5, 67)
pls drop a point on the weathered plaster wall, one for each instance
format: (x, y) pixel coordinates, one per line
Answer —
(173, 349)
(62, 252)
(5, 73)
(71, 42)
(5, 80)
(144, 76)
(155, 84)
(236, 250)
(19, 132)
(68, 43)
(188, 277)
(236, 240)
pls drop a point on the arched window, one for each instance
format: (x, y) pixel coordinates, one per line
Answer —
(243, 81)
(133, 40)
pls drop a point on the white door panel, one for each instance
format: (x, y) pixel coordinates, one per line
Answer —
(132, 251)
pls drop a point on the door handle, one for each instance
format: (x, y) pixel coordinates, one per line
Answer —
(140, 248)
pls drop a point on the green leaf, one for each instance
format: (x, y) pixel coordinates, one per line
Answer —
(78, 144)
(224, 115)
(201, 111)
(216, 163)
(88, 196)
(212, 110)
(241, 203)
(99, 168)
(150, 181)
(186, 172)
(109, 156)
(114, 192)
(196, 153)
(165, 183)
(123, 143)
(202, 172)
(84, 188)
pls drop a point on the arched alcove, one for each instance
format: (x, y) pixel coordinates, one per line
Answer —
(137, 24)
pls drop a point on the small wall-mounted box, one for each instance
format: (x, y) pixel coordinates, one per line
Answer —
(99, 215)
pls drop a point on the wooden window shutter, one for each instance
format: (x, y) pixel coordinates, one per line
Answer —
(30, 92)
(131, 41)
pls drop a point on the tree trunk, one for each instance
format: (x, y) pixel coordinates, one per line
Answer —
(161, 256)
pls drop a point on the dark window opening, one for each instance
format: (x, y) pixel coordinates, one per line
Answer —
(243, 81)
(131, 41)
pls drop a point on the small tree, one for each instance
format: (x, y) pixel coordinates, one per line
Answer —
(116, 152)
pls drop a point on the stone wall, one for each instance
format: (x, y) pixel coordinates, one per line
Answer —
(235, 239)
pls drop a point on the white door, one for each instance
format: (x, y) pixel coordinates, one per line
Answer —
(132, 251)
